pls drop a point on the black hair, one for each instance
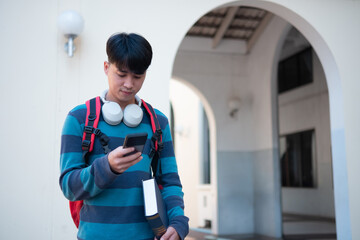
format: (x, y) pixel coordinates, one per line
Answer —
(129, 51)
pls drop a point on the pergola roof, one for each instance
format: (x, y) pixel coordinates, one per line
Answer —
(243, 23)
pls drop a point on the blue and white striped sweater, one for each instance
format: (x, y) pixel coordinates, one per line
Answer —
(113, 204)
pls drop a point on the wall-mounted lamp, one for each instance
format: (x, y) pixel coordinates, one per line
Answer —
(234, 106)
(71, 25)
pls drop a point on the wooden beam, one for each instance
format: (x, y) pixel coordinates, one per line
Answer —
(224, 26)
(259, 30)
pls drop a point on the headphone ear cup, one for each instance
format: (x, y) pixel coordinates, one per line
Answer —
(133, 115)
(112, 113)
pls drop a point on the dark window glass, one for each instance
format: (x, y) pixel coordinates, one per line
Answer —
(206, 177)
(295, 71)
(297, 153)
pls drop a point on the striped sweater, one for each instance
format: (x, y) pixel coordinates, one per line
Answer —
(113, 204)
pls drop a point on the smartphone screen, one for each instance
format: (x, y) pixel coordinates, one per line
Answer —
(136, 140)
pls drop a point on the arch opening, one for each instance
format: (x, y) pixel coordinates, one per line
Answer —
(249, 101)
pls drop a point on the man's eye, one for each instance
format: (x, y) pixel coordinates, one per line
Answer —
(137, 77)
(122, 75)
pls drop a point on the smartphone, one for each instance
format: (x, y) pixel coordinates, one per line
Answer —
(136, 140)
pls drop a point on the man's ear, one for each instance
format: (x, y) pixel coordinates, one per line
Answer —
(106, 67)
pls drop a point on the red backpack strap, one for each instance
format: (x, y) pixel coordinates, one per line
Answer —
(155, 126)
(93, 107)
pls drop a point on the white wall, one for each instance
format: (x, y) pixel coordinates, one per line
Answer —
(28, 139)
(38, 80)
(218, 76)
(305, 108)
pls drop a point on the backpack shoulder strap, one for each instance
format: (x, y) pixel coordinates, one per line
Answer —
(93, 107)
(156, 139)
(90, 130)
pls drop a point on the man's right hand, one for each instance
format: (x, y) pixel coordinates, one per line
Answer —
(119, 163)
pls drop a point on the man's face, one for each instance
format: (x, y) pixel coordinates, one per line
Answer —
(123, 84)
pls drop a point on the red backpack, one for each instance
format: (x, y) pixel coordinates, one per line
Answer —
(93, 107)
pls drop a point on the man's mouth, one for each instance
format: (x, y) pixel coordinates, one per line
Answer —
(126, 92)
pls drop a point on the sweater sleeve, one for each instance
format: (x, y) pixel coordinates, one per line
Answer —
(78, 181)
(172, 188)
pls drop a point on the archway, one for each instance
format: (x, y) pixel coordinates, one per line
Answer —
(333, 80)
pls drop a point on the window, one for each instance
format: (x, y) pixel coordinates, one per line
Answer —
(205, 148)
(295, 71)
(297, 156)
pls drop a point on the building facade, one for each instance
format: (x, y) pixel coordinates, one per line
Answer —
(41, 83)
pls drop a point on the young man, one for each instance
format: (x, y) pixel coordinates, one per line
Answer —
(111, 184)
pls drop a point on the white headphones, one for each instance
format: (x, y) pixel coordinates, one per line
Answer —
(113, 114)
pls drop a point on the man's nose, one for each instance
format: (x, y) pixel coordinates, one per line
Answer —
(128, 82)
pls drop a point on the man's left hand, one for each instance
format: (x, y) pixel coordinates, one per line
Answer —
(170, 234)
